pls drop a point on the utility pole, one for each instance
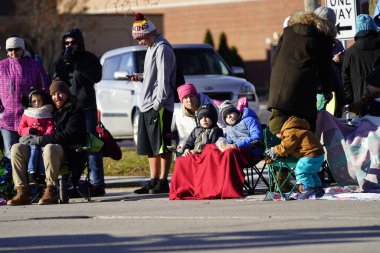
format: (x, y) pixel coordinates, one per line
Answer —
(311, 5)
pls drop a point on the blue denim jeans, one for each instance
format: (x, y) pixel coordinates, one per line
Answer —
(36, 163)
(9, 138)
(95, 160)
(307, 169)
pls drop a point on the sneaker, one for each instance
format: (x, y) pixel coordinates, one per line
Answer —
(319, 192)
(309, 193)
(147, 187)
(161, 187)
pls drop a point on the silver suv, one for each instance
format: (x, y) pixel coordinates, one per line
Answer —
(118, 98)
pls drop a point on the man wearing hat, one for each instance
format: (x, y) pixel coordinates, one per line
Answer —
(157, 103)
(361, 58)
(18, 74)
(70, 131)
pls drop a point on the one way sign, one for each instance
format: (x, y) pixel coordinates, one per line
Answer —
(345, 11)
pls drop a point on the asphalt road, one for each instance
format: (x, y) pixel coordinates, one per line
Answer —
(125, 222)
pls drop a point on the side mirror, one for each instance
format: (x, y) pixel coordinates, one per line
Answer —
(238, 71)
(120, 75)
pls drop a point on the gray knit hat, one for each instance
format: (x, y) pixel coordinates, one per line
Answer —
(227, 107)
(326, 13)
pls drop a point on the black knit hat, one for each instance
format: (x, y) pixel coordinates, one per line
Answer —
(208, 110)
(226, 108)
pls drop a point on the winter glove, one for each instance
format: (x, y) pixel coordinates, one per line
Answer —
(68, 55)
(31, 140)
(33, 131)
(271, 154)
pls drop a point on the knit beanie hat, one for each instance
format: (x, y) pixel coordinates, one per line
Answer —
(208, 110)
(326, 13)
(364, 22)
(142, 27)
(185, 90)
(15, 42)
(59, 86)
(226, 108)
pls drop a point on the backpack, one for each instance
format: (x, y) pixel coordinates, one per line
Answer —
(179, 77)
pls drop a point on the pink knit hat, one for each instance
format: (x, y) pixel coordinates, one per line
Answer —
(185, 90)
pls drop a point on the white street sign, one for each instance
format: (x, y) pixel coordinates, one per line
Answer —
(345, 11)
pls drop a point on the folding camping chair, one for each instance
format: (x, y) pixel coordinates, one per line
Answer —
(253, 167)
(67, 186)
(281, 172)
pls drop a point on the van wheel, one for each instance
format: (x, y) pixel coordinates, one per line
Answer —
(135, 124)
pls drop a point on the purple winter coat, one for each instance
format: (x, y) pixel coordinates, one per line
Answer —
(17, 77)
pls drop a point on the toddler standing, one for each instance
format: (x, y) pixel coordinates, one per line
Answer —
(297, 140)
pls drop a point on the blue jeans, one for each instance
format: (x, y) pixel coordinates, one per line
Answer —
(95, 160)
(36, 163)
(9, 138)
(307, 169)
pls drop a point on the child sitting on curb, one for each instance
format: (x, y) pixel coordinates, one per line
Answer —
(297, 140)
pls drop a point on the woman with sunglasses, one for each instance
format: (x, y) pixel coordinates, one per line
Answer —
(18, 74)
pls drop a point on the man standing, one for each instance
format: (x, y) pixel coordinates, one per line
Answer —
(157, 103)
(361, 58)
(70, 130)
(81, 69)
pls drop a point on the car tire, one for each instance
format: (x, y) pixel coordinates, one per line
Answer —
(135, 125)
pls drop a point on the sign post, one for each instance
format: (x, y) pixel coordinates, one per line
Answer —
(345, 11)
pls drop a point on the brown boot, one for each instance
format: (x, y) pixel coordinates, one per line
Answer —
(22, 197)
(50, 196)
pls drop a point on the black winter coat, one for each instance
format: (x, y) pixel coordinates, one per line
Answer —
(70, 132)
(301, 62)
(198, 137)
(359, 61)
(80, 73)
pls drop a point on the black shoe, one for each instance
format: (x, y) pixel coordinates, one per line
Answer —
(161, 187)
(41, 180)
(147, 187)
(32, 179)
(97, 191)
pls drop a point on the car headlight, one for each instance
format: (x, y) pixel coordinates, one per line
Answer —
(247, 90)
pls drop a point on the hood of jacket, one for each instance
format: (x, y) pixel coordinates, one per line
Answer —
(77, 35)
(310, 24)
(247, 112)
(295, 122)
(367, 40)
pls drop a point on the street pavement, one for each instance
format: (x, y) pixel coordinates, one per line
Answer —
(122, 221)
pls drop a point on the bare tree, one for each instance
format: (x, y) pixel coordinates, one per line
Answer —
(42, 24)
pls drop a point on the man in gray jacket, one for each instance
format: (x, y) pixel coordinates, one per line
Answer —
(157, 103)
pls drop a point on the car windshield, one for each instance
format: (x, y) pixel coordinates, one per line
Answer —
(201, 61)
(194, 61)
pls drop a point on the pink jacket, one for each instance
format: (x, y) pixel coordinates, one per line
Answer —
(17, 76)
(38, 118)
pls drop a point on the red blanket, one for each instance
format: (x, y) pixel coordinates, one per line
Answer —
(213, 174)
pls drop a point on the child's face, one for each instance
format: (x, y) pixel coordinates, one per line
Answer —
(37, 101)
(205, 122)
(232, 118)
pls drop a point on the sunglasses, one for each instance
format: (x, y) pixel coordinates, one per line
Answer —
(73, 43)
(14, 49)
